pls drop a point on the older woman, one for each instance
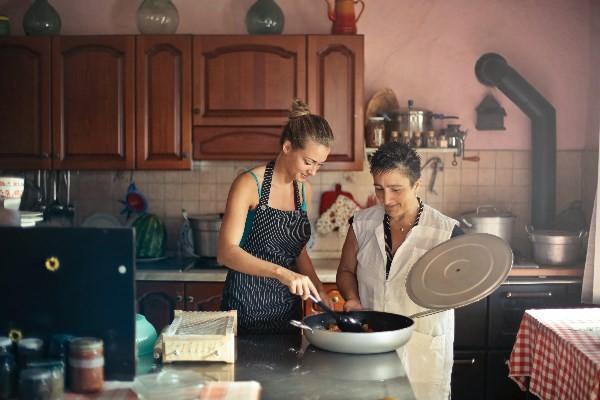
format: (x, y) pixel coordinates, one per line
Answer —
(383, 243)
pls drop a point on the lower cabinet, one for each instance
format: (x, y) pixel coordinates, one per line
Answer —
(498, 385)
(468, 375)
(157, 301)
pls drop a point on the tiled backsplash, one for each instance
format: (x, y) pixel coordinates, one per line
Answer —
(501, 178)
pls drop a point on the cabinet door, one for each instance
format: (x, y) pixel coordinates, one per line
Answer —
(334, 295)
(468, 375)
(499, 386)
(203, 296)
(25, 140)
(158, 300)
(509, 302)
(335, 91)
(93, 102)
(470, 324)
(164, 93)
(243, 88)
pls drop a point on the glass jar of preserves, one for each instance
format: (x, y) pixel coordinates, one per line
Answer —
(29, 350)
(36, 384)
(442, 141)
(57, 376)
(86, 365)
(8, 376)
(375, 133)
(6, 345)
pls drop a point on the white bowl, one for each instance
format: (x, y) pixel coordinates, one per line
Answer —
(10, 204)
(11, 187)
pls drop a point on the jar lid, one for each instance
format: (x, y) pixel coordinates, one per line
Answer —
(3, 18)
(48, 364)
(377, 119)
(85, 343)
(31, 343)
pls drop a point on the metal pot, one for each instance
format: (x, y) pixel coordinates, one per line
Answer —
(488, 219)
(553, 247)
(392, 331)
(205, 229)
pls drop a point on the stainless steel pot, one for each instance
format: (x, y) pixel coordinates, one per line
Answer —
(488, 219)
(553, 247)
(205, 230)
(392, 331)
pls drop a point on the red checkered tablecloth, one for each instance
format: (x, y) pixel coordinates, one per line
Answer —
(557, 354)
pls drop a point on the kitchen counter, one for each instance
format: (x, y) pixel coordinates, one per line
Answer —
(287, 367)
(206, 270)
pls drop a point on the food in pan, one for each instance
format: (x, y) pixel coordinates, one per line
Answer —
(334, 328)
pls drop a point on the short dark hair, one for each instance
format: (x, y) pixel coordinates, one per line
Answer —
(395, 155)
(302, 124)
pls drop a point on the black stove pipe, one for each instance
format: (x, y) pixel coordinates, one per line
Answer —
(492, 70)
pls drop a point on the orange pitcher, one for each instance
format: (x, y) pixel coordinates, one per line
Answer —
(342, 16)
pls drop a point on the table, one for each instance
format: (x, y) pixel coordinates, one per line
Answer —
(557, 354)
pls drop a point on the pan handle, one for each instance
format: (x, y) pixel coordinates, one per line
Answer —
(427, 313)
(301, 325)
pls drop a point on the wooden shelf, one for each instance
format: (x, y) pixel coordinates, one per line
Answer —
(564, 271)
(371, 150)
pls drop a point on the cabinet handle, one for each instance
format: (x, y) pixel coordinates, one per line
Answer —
(465, 362)
(525, 295)
(179, 298)
(45, 156)
(196, 110)
(190, 299)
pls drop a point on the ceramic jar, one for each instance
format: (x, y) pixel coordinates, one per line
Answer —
(157, 17)
(41, 19)
(265, 18)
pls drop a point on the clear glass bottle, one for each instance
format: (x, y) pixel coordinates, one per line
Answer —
(405, 139)
(431, 140)
(442, 141)
(394, 136)
(415, 141)
(156, 17)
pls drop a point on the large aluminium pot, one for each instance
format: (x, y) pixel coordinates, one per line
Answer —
(554, 247)
(488, 219)
(205, 230)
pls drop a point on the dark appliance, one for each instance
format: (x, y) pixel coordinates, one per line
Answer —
(78, 281)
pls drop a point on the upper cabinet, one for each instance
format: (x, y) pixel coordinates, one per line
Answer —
(156, 102)
(163, 104)
(93, 92)
(25, 136)
(335, 91)
(244, 86)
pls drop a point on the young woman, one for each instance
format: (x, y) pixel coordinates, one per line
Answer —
(383, 243)
(265, 230)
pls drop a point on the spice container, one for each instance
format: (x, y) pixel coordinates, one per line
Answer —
(86, 365)
(57, 376)
(431, 142)
(36, 384)
(394, 136)
(442, 141)
(415, 141)
(29, 350)
(8, 376)
(405, 139)
(375, 133)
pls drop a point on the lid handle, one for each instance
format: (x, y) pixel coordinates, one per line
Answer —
(467, 223)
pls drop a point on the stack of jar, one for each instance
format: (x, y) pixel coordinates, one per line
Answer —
(427, 139)
(35, 374)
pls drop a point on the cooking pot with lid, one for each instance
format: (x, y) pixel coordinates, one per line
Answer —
(555, 247)
(205, 230)
(489, 219)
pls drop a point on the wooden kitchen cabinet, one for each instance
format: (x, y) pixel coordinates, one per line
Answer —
(158, 300)
(25, 132)
(93, 102)
(244, 86)
(163, 102)
(334, 295)
(335, 91)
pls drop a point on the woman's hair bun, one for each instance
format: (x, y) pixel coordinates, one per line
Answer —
(299, 109)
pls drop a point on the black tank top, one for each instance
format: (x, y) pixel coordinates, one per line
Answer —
(265, 305)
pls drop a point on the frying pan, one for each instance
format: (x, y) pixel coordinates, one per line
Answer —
(391, 331)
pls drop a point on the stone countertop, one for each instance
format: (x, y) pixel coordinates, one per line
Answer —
(191, 270)
(287, 367)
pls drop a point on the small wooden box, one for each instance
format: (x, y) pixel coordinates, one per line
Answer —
(200, 336)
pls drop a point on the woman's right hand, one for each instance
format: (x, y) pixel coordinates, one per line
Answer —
(298, 284)
(353, 305)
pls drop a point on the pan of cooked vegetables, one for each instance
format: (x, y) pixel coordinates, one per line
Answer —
(382, 332)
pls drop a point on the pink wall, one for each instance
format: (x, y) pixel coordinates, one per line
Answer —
(593, 120)
(424, 50)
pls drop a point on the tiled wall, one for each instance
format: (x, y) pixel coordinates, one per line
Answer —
(501, 178)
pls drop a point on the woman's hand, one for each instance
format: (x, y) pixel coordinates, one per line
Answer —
(353, 305)
(298, 284)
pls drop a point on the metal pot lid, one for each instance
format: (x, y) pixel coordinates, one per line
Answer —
(460, 271)
(488, 212)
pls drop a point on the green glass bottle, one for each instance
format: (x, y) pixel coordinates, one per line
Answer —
(41, 19)
(157, 17)
(265, 18)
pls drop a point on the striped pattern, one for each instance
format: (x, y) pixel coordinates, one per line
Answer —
(265, 305)
(387, 233)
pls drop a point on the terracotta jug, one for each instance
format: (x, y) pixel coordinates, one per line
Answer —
(342, 16)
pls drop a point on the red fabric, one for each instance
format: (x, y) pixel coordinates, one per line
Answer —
(557, 354)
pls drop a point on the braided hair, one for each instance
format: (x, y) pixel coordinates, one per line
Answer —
(302, 124)
(395, 155)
